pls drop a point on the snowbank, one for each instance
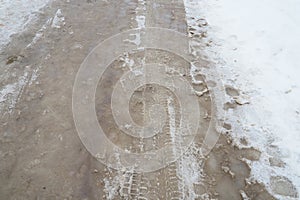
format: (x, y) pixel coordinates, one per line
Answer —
(255, 45)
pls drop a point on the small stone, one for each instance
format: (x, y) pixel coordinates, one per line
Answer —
(228, 171)
(244, 195)
(201, 93)
(288, 91)
(241, 101)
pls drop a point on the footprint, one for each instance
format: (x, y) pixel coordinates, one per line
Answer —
(231, 91)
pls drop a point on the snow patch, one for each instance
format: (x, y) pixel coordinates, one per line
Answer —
(58, 20)
(16, 15)
(39, 34)
(255, 46)
(10, 93)
(141, 23)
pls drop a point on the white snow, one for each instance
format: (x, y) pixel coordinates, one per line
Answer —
(39, 34)
(15, 15)
(255, 45)
(5, 91)
(58, 20)
(141, 23)
(11, 93)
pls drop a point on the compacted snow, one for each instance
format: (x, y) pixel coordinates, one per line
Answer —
(256, 47)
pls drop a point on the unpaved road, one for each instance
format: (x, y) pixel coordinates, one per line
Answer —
(41, 154)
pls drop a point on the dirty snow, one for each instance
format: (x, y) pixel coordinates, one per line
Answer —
(140, 20)
(15, 15)
(11, 93)
(255, 45)
(39, 34)
(58, 20)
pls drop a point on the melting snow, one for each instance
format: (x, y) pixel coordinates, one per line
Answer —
(15, 15)
(10, 94)
(255, 45)
(58, 20)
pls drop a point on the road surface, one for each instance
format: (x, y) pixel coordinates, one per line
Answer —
(42, 156)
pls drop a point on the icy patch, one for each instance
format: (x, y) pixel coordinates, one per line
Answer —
(16, 15)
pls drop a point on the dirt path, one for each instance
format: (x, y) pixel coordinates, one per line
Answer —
(41, 154)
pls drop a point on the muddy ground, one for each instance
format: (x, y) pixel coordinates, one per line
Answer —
(41, 154)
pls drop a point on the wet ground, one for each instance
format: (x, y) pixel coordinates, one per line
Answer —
(42, 156)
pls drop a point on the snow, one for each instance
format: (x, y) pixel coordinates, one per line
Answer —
(11, 93)
(58, 20)
(14, 18)
(39, 34)
(141, 22)
(8, 89)
(15, 15)
(255, 45)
